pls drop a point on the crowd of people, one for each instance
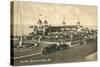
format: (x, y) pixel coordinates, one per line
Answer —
(44, 33)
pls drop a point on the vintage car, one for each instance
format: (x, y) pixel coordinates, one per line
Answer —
(53, 48)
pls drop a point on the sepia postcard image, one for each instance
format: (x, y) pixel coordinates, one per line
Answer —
(46, 33)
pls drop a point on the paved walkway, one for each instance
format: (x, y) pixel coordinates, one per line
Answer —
(91, 57)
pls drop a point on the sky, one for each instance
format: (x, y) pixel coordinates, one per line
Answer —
(27, 13)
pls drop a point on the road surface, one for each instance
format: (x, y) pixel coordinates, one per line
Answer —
(73, 54)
